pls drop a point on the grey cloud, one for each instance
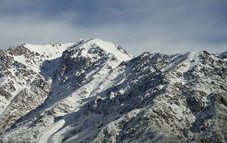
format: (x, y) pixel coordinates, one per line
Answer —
(148, 25)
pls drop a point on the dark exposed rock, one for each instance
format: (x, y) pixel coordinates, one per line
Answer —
(4, 93)
(20, 50)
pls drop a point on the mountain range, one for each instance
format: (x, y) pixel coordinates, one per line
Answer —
(94, 91)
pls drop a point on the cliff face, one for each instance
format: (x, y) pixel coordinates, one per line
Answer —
(94, 91)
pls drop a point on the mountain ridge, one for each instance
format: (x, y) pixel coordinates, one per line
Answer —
(94, 91)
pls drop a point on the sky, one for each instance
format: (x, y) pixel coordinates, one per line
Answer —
(165, 26)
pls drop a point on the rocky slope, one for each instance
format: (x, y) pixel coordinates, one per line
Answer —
(94, 91)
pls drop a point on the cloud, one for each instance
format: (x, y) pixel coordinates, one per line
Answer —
(19, 30)
(149, 25)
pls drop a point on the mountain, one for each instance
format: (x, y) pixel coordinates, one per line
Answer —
(94, 91)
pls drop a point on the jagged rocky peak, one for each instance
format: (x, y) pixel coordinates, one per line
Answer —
(19, 50)
(152, 56)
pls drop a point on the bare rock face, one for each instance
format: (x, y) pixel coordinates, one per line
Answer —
(21, 88)
(5, 61)
(94, 91)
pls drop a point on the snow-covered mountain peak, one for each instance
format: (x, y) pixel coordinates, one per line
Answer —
(96, 46)
(55, 50)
